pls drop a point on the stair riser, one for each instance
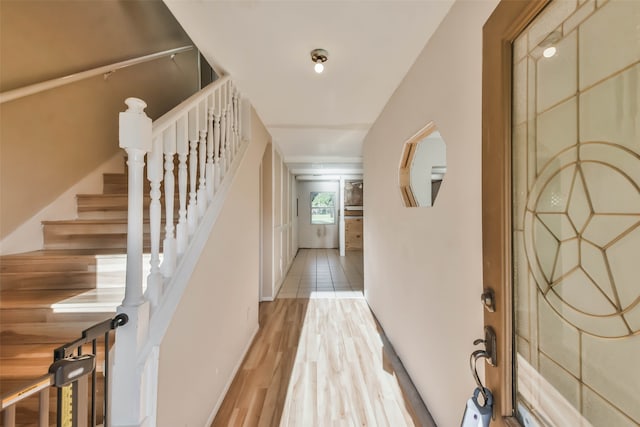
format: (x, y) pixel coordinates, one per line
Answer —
(113, 201)
(87, 263)
(31, 315)
(118, 183)
(38, 333)
(24, 316)
(119, 212)
(93, 241)
(33, 265)
(64, 280)
(73, 235)
(76, 228)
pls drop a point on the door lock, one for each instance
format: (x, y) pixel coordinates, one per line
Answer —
(490, 352)
(488, 299)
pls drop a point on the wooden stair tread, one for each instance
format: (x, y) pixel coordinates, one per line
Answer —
(31, 315)
(37, 351)
(39, 333)
(26, 351)
(33, 368)
(60, 260)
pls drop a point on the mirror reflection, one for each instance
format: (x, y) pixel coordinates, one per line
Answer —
(422, 167)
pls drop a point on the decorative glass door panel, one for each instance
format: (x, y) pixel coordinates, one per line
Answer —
(576, 214)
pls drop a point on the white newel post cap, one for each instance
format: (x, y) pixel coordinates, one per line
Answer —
(135, 126)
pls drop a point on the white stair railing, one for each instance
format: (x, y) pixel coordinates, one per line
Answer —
(205, 132)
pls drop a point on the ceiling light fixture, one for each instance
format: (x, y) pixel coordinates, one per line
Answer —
(319, 57)
(548, 44)
(549, 52)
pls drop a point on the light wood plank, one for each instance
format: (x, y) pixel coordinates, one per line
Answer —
(317, 362)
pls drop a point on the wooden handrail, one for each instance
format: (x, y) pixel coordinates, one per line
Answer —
(10, 95)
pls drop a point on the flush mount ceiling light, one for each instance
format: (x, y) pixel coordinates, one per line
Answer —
(319, 57)
(548, 44)
(549, 52)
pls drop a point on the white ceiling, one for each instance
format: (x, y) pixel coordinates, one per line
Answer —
(265, 46)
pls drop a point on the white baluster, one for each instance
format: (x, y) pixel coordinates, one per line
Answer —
(232, 105)
(182, 147)
(169, 244)
(202, 186)
(228, 138)
(235, 121)
(192, 213)
(223, 152)
(239, 120)
(154, 175)
(230, 119)
(210, 171)
(216, 148)
(224, 136)
(135, 139)
(202, 157)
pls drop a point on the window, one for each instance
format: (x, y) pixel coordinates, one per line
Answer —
(323, 208)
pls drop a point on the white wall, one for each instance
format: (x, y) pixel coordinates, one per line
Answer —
(218, 314)
(310, 235)
(423, 266)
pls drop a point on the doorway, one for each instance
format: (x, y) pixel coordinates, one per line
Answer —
(318, 214)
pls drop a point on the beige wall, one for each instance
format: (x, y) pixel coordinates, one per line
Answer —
(218, 313)
(50, 140)
(423, 266)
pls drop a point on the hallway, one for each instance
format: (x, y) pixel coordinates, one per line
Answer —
(322, 273)
(319, 358)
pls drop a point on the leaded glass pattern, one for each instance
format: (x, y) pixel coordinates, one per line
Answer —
(576, 214)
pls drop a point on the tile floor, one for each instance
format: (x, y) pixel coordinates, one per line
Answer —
(323, 273)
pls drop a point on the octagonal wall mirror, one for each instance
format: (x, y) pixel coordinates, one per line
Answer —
(422, 167)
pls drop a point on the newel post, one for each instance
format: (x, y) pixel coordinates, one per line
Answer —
(127, 393)
(135, 139)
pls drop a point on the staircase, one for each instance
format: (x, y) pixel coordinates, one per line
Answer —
(48, 297)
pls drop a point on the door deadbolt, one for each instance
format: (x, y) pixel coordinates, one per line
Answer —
(488, 299)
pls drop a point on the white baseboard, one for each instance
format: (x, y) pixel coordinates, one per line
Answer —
(231, 378)
(267, 299)
(28, 236)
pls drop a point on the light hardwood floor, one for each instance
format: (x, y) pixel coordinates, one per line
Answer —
(319, 358)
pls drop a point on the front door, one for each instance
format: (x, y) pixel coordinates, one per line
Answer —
(562, 225)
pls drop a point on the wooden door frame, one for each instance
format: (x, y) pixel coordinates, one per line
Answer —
(507, 21)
